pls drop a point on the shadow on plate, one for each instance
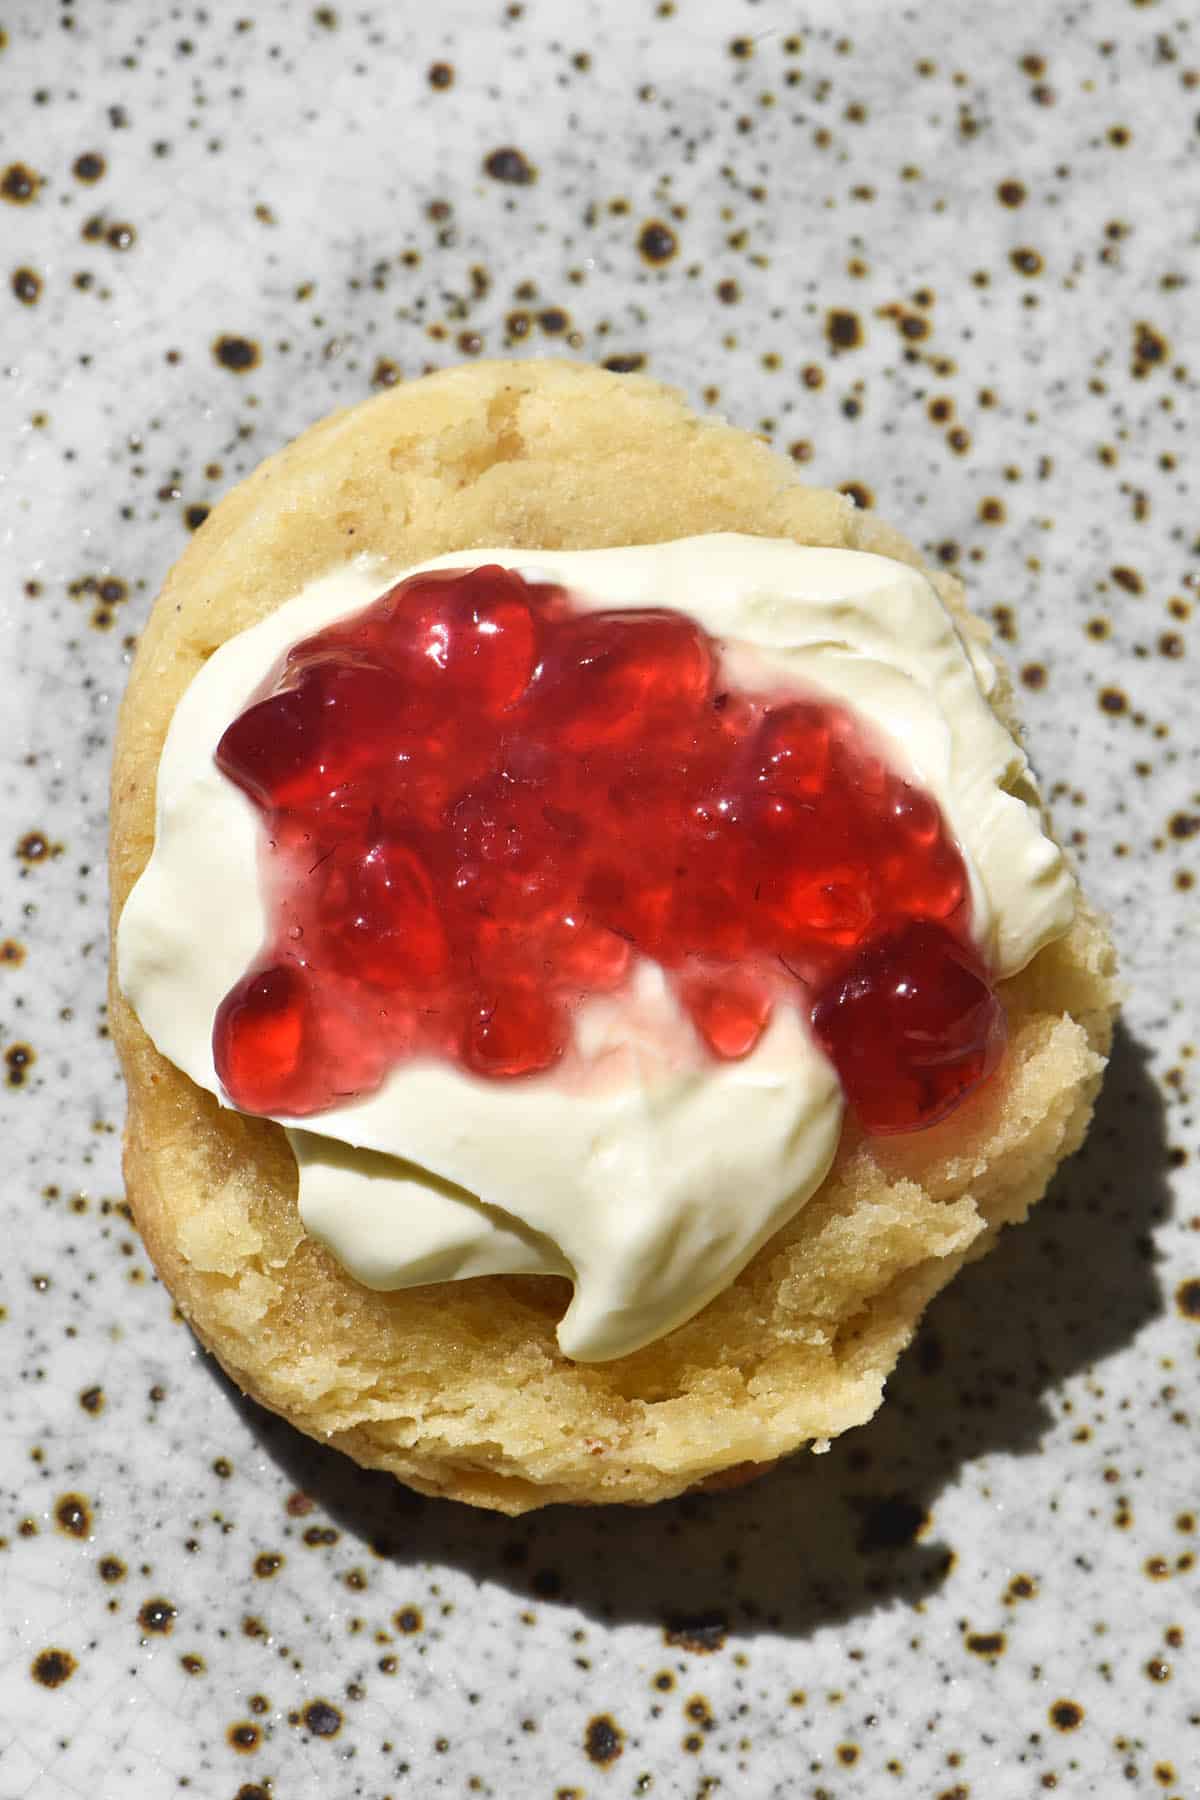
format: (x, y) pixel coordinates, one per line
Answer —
(828, 1538)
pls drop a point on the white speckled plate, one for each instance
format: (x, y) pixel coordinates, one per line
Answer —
(944, 255)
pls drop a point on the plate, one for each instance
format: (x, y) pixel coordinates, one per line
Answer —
(943, 262)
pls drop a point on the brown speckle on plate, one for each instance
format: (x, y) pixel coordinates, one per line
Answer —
(603, 1740)
(322, 1719)
(19, 184)
(51, 1668)
(509, 165)
(156, 1615)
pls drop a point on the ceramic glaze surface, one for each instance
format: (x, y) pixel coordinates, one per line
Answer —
(944, 261)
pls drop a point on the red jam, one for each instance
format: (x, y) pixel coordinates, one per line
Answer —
(481, 801)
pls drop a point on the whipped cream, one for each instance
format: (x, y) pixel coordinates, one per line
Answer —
(644, 1171)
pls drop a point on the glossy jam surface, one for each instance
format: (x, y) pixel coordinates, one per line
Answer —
(480, 801)
(911, 1025)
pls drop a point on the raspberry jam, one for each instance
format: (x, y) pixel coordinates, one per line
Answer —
(481, 801)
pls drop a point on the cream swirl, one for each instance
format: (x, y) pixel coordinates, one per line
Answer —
(646, 1172)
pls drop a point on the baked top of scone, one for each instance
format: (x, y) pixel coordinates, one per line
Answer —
(462, 1389)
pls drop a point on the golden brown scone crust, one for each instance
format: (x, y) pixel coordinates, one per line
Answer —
(460, 1389)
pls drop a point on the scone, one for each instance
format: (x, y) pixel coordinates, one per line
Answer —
(752, 1228)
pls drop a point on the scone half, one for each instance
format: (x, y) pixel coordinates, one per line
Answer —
(460, 1389)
